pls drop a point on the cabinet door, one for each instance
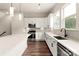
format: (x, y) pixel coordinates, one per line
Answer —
(45, 37)
(53, 47)
(39, 36)
(52, 44)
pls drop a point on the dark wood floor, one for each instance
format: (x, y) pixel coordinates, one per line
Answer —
(37, 49)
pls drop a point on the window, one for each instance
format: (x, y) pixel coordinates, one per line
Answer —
(57, 20)
(70, 22)
(51, 20)
(70, 16)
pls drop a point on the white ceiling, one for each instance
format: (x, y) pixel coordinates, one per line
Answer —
(29, 9)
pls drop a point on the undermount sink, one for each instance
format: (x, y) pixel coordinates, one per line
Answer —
(60, 38)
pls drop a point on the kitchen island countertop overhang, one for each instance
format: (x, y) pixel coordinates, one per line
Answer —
(13, 45)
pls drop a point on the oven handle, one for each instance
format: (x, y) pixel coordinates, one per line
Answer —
(66, 50)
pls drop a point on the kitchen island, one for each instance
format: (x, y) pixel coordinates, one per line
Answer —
(13, 45)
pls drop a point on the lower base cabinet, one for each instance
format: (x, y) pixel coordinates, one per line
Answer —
(39, 36)
(52, 44)
(54, 48)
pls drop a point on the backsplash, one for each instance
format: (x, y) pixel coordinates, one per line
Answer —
(58, 32)
(74, 34)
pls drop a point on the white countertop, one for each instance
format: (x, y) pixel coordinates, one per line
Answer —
(9, 42)
(71, 44)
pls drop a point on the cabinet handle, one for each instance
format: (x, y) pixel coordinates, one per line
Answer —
(51, 44)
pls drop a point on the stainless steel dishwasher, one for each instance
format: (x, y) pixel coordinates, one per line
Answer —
(63, 51)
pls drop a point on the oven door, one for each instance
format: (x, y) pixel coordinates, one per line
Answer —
(63, 51)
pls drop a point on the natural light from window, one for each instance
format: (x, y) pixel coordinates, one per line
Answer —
(57, 20)
(70, 16)
(70, 10)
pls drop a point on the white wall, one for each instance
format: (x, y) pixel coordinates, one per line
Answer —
(77, 14)
(17, 24)
(12, 25)
(5, 24)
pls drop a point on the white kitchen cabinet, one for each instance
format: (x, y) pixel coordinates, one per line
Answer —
(46, 39)
(52, 44)
(39, 36)
(53, 47)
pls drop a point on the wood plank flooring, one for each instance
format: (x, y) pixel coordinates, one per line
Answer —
(37, 49)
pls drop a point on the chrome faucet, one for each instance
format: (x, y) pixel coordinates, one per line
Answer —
(65, 34)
